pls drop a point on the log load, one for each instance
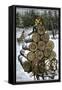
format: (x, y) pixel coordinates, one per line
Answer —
(41, 58)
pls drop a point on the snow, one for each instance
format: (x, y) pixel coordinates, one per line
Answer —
(20, 74)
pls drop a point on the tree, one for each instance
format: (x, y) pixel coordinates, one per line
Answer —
(45, 17)
(28, 18)
(17, 19)
(50, 20)
(55, 20)
(19, 22)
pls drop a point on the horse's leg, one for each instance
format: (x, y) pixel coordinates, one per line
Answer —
(43, 76)
(37, 76)
(34, 77)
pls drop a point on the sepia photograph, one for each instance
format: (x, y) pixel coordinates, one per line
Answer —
(37, 44)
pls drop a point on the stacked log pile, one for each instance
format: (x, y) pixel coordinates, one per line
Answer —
(41, 59)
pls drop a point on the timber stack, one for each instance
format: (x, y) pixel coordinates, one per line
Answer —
(41, 59)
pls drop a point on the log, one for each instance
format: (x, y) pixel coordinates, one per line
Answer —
(41, 66)
(41, 30)
(41, 45)
(45, 37)
(36, 37)
(28, 40)
(47, 52)
(25, 47)
(39, 54)
(33, 47)
(53, 55)
(23, 54)
(20, 60)
(50, 45)
(31, 56)
(27, 66)
(30, 33)
(35, 66)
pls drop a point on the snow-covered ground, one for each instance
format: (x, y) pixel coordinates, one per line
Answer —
(20, 74)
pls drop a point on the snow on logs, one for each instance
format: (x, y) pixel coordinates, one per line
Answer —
(41, 58)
